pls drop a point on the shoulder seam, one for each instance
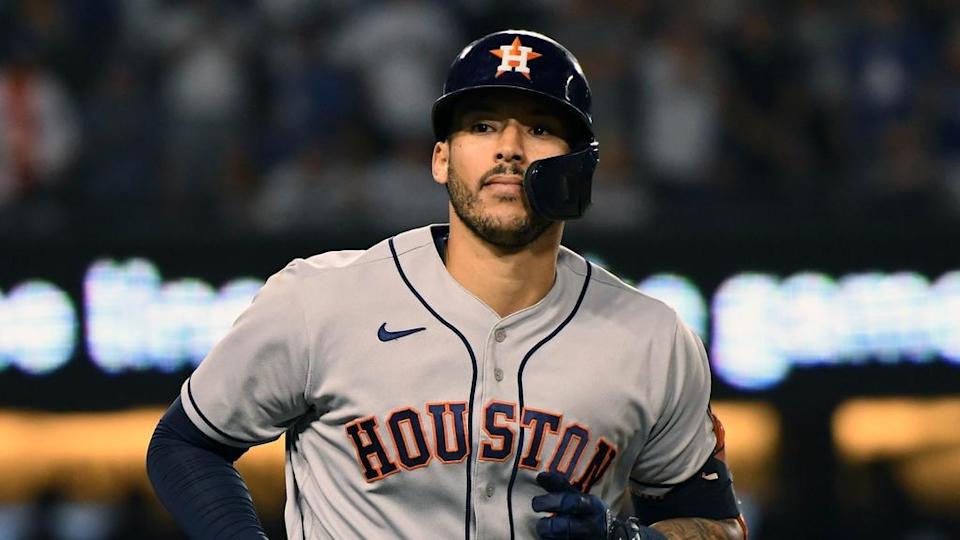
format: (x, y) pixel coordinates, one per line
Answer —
(387, 257)
(411, 248)
(596, 278)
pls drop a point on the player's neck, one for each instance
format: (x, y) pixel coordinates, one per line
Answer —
(506, 281)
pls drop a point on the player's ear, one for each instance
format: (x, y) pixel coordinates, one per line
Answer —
(441, 161)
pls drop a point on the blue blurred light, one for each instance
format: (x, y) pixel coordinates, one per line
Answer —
(38, 328)
(83, 521)
(760, 326)
(944, 316)
(135, 321)
(682, 295)
(746, 332)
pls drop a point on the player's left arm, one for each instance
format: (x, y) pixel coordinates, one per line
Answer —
(702, 507)
(703, 504)
(681, 486)
(700, 528)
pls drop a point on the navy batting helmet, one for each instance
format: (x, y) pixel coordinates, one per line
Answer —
(558, 187)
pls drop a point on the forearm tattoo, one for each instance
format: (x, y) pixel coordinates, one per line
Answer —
(700, 529)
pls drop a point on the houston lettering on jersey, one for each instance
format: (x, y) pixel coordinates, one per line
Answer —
(409, 439)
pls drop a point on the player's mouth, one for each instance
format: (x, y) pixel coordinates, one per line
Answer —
(504, 183)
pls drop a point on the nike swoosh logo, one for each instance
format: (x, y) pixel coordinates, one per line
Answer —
(386, 335)
(711, 476)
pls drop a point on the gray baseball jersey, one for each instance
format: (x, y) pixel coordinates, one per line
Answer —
(412, 410)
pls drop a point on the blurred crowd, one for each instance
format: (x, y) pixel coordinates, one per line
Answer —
(296, 116)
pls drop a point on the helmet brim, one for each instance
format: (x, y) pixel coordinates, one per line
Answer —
(442, 116)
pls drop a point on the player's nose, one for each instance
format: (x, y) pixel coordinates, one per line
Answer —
(510, 142)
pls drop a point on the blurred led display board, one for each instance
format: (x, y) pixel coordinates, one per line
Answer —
(800, 317)
(759, 327)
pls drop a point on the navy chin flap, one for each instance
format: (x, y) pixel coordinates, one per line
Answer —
(558, 188)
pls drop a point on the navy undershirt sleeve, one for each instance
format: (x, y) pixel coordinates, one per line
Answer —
(194, 477)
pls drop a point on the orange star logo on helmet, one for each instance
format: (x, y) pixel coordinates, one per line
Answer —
(514, 58)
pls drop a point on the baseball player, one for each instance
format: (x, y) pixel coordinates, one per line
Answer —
(472, 380)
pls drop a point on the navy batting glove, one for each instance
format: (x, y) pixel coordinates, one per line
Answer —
(581, 516)
(576, 515)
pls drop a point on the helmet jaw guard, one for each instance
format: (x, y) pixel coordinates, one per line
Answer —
(558, 188)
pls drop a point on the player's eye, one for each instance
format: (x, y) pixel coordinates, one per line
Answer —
(481, 127)
(541, 131)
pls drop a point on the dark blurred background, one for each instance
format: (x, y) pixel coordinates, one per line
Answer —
(215, 140)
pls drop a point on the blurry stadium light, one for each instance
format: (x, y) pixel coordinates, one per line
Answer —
(135, 321)
(103, 460)
(763, 327)
(945, 316)
(83, 521)
(682, 295)
(745, 350)
(752, 444)
(865, 429)
(933, 479)
(920, 437)
(759, 326)
(38, 328)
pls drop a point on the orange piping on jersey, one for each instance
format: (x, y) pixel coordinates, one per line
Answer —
(719, 449)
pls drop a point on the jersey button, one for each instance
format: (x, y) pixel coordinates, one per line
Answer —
(490, 489)
(498, 374)
(500, 335)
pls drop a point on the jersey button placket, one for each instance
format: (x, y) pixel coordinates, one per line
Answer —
(500, 335)
(489, 509)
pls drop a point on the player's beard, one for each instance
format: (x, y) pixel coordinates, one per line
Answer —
(513, 233)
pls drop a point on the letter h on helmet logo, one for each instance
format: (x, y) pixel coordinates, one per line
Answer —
(514, 58)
